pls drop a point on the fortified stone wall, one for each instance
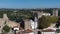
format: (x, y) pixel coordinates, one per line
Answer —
(8, 22)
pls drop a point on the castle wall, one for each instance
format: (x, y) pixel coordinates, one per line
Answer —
(1, 24)
(8, 22)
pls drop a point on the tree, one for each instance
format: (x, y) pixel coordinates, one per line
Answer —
(18, 14)
(46, 21)
(52, 19)
(6, 29)
(58, 22)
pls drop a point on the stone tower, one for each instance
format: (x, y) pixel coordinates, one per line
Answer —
(27, 24)
(55, 12)
(39, 14)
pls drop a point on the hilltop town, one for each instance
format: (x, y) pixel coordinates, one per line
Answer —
(29, 21)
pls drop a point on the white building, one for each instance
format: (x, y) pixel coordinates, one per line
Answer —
(33, 24)
(41, 14)
(46, 14)
(50, 30)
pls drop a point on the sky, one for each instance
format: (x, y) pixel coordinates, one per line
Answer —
(29, 3)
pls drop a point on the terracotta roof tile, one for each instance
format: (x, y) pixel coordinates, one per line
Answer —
(18, 33)
(27, 31)
(48, 30)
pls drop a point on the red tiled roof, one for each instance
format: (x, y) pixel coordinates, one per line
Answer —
(17, 27)
(27, 31)
(48, 30)
(18, 33)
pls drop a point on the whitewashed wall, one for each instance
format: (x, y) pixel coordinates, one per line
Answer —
(31, 33)
(58, 33)
(33, 24)
(48, 32)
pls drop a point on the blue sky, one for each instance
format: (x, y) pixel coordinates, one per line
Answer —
(29, 3)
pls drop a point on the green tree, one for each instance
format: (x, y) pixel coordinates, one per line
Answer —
(46, 21)
(52, 19)
(58, 22)
(6, 29)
